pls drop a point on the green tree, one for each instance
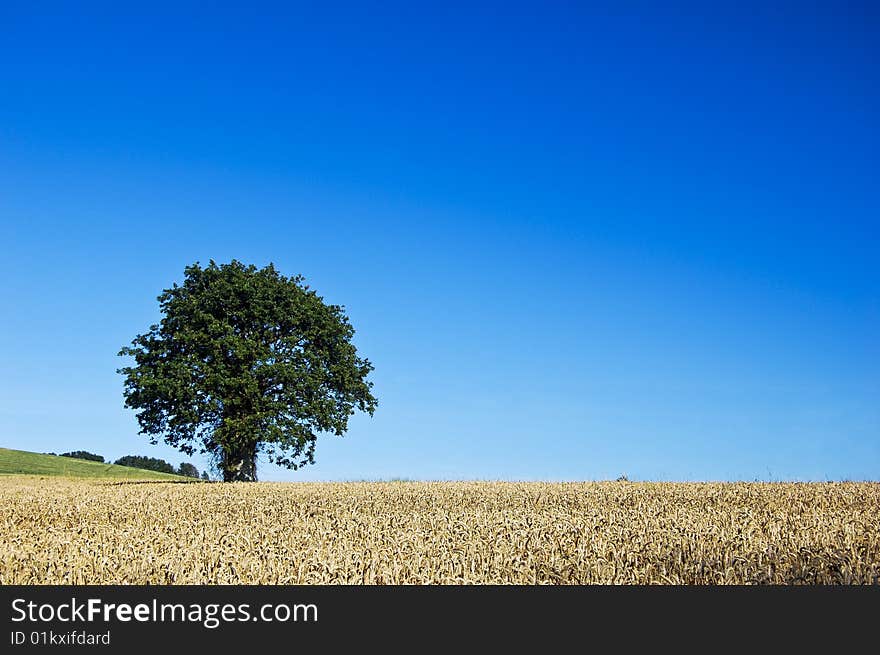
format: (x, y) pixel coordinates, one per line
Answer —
(246, 361)
(84, 454)
(188, 470)
(147, 463)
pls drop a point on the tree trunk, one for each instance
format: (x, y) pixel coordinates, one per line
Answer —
(240, 465)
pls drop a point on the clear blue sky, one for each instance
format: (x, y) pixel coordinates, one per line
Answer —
(576, 241)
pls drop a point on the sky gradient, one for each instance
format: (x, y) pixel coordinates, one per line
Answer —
(576, 241)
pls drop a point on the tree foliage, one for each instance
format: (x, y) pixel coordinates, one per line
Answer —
(84, 454)
(246, 361)
(147, 463)
(188, 470)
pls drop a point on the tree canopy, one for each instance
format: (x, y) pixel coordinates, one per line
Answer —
(146, 463)
(188, 470)
(246, 361)
(84, 454)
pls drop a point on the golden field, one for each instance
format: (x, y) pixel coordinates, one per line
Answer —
(97, 532)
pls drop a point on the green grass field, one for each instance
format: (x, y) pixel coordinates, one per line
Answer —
(20, 462)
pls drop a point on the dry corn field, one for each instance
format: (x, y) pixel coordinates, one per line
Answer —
(88, 532)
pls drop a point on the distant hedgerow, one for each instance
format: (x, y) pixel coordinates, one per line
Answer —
(83, 454)
(148, 463)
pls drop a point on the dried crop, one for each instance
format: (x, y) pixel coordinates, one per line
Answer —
(88, 532)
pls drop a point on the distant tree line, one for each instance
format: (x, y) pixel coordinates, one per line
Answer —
(84, 454)
(141, 462)
(147, 463)
(188, 470)
(160, 465)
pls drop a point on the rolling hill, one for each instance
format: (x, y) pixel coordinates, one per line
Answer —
(21, 462)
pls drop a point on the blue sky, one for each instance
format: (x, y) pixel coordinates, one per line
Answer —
(577, 241)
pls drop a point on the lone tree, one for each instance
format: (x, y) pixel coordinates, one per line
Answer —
(246, 361)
